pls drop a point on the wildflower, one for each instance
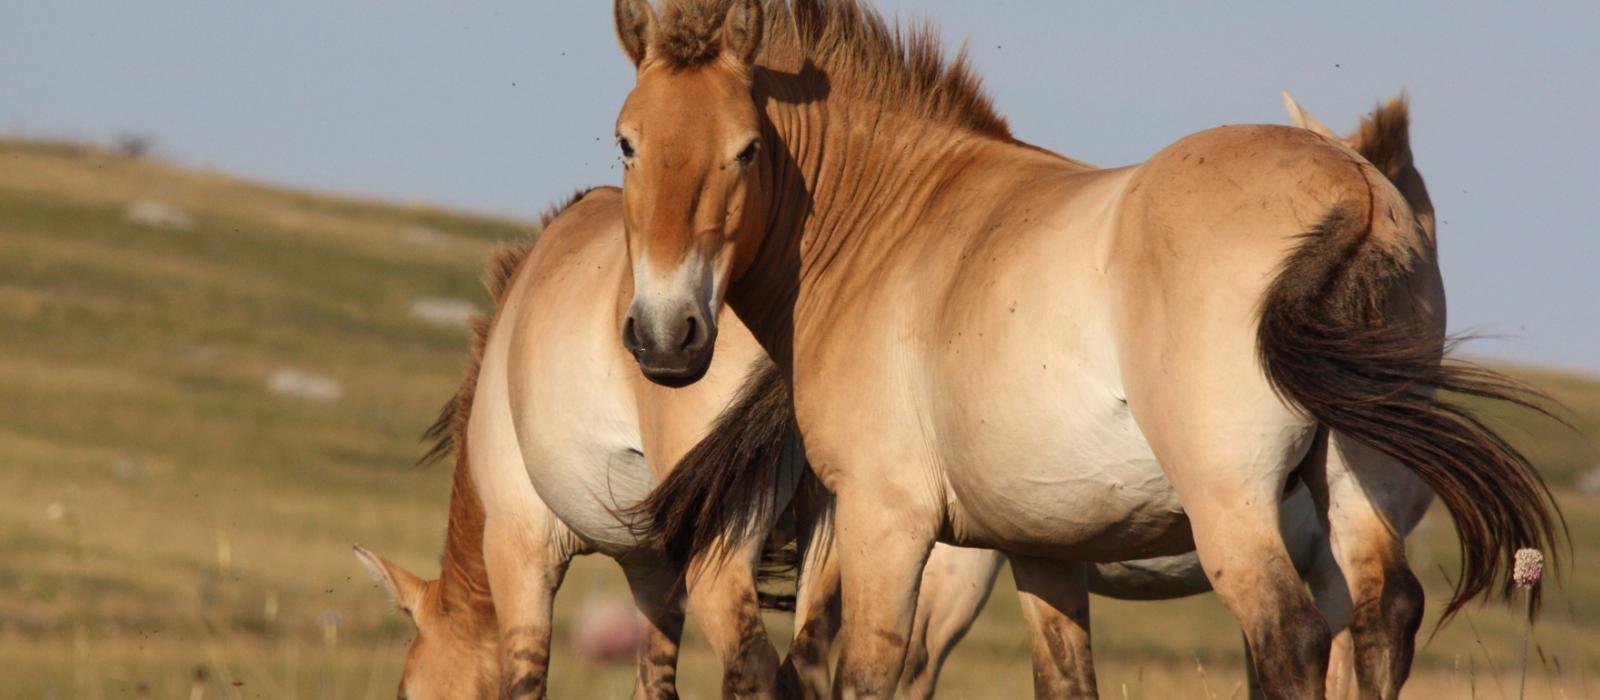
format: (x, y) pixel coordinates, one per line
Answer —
(1528, 568)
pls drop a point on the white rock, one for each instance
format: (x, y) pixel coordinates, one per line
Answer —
(149, 212)
(1589, 482)
(125, 469)
(304, 385)
(444, 312)
(428, 237)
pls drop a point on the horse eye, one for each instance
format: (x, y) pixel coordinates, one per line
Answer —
(626, 146)
(748, 155)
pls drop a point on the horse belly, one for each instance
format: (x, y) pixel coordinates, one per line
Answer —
(590, 486)
(578, 429)
(1072, 477)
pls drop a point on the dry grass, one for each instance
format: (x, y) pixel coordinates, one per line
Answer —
(168, 514)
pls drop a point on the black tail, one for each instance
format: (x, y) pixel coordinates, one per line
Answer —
(734, 482)
(1331, 342)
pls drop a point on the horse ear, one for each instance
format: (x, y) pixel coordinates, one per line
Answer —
(742, 30)
(636, 24)
(1306, 120)
(404, 587)
(1384, 138)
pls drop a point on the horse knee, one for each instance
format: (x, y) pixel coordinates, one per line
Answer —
(1405, 599)
(1383, 633)
(752, 671)
(1290, 652)
(1308, 639)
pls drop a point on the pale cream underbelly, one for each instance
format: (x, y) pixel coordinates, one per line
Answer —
(590, 477)
(1076, 482)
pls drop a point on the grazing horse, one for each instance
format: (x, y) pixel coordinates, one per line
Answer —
(992, 345)
(602, 426)
(555, 436)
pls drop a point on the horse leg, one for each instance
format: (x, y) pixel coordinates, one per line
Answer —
(1370, 502)
(1055, 603)
(816, 618)
(883, 543)
(816, 609)
(1230, 486)
(955, 584)
(1333, 601)
(1244, 558)
(526, 554)
(723, 600)
(1332, 598)
(1229, 444)
(655, 593)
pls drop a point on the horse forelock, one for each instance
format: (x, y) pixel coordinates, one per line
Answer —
(689, 30)
(847, 44)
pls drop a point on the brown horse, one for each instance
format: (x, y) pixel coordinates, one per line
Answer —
(992, 345)
(458, 651)
(959, 576)
(555, 436)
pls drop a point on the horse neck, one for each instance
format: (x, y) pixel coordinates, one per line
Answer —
(463, 577)
(846, 184)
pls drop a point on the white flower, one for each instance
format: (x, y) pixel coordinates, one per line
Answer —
(1528, 569)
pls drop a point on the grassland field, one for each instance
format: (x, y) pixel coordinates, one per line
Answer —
(176, 525)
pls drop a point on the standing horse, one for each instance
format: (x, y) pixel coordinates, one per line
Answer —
(992, 345)
(604, 427)
(1384, 140)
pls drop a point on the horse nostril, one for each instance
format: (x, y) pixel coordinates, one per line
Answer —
(690, 335)
(630, 336)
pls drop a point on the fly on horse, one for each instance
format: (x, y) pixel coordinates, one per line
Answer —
(993, 345)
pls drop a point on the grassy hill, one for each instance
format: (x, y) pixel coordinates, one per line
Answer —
(211, 388)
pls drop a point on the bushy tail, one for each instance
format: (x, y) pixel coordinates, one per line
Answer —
(733, 483)
(1332, 343)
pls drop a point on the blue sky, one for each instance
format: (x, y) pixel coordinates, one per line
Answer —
(506, 106)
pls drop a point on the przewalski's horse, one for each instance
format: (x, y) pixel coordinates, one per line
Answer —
(597, 429)
(556, 435)
(993, 345)
(967, 574)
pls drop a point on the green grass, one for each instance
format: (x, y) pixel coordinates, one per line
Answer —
(171, 522)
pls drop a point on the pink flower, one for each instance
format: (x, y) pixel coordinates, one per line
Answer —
(1528, 569)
